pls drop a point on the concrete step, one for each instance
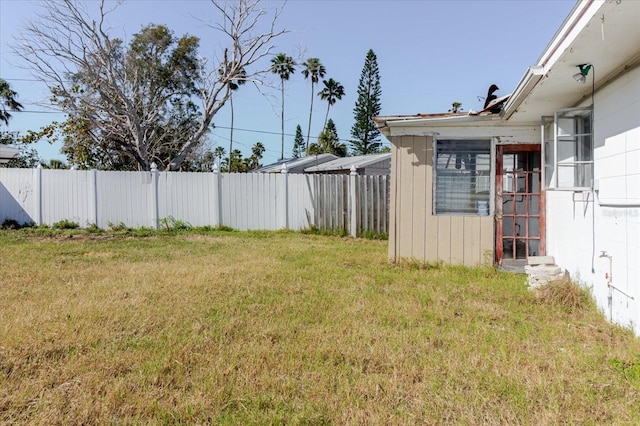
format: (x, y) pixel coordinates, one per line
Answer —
(541, 270)
(541, 260)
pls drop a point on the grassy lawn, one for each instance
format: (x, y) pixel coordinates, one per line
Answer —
(286, 328)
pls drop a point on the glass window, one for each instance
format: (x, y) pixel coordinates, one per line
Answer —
(462, 176)
(568, 146)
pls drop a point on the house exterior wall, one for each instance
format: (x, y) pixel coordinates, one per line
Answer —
(580, 226)
(415, 233)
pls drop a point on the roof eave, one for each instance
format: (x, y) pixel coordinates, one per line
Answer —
(566, 34)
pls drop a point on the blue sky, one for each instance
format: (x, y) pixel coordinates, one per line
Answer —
(430, 54)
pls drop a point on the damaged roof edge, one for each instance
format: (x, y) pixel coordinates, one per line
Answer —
(384, 123)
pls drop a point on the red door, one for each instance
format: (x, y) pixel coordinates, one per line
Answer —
(520, 223)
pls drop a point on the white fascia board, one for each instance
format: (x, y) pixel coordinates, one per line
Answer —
(502, 134)
(577, 20)
(575, 23)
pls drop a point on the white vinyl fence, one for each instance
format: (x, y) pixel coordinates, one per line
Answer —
(243, 201)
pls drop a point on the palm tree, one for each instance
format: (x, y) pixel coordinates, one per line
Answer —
(234, 84)
(332, 92)
(284, 66)
(7, 101)
(314, 69)
(256, 155)
(219, 153)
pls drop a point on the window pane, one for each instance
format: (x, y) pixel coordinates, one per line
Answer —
(507, 248)
(573, 144)
(507, 226)
(534, 227)
(521, 182)
(462, 176)
(534, 182)
(534, 204)
(507, 204)
(521, 206)
(534, 246)
(521, 224)
(507, 162)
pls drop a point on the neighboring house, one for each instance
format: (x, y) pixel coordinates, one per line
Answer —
(556, 171)
(7, 153)
(372, 164)
(295, 165)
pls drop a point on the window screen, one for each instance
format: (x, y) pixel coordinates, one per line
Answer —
(462, 177)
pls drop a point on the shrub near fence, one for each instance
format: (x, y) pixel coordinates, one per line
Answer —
(244, 201)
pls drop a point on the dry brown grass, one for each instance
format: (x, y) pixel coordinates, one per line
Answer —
(283, 328)
(565, 294)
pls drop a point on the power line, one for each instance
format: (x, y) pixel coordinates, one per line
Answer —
(39, 112)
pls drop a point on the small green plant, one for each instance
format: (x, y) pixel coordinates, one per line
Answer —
(630, 369)
(117, 227)
(93, 229)
(374, 235)
(144, 231)
(10, 224)
(314, 230)
(170, 223)
(65, 224)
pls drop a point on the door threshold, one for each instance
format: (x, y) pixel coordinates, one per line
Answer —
(513, 265)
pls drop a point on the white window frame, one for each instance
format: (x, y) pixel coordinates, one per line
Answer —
(581, 160)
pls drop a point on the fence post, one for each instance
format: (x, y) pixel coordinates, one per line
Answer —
(93, 196)
(284, 204)
(155, 175)
(216, 196)
(354, 201)
(37, 189)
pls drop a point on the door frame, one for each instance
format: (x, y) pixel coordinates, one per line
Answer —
(510, 149)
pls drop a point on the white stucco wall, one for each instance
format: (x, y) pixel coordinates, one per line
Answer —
(580, 226)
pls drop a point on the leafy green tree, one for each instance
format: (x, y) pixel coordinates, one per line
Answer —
(240, 164)
(284, 66)
(163, 70)
(332, 92)
(312, 68)
(365, 135)
(55, 164)
(328, 142)
(152, 100)
(233, 163)
(456, 107)
(27, 157)
(8, 102)
(298, 143)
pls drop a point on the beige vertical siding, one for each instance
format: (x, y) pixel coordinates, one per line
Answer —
(415, 233)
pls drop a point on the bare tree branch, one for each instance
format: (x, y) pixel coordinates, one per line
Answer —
(91, 76)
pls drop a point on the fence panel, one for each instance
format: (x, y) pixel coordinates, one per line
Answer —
(250, 200)
(65, 196)
(187, 197)
(239, 200)
(125, 197)
(373, 201)
(18, 194)
(301, 201)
